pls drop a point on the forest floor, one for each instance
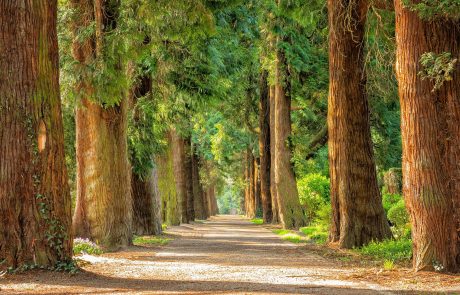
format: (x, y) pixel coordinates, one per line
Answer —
(228, 255)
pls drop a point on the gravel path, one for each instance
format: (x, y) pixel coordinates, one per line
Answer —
(224, 255)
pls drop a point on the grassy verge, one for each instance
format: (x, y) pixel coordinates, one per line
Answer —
(151, 241)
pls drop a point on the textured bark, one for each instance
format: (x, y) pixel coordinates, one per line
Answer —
(273, 193)
(188, 176)
(198, 193)
(34, 194)
(103, 210)
(167, 185)
(358, 215)
(431, 140)
(146, 204)
(250, 201)
(264, 148)
(179, 173)
(289, 209)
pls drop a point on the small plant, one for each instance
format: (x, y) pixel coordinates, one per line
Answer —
(85, 246)
(257, 221)
(438, 68)
(388, 265)
(151, 241)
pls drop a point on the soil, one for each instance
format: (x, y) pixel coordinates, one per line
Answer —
(229, 255)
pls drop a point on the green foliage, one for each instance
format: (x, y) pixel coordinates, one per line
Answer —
(85, 246)
(435, 9)
(392, 250)
(314, 192)
(389, 200)
(438, 68)
(151, 241)
(289, 235)
(316, 233)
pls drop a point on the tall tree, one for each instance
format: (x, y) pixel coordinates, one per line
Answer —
(289, 209)
(264, 148)
(358, 215)
(430, 113)
(34, 193)
(179, 173)
(104, 206)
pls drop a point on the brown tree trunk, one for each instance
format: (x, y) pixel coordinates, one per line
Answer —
(179, 173)
(273, 193)
(198, 194)
(358, 215)
(264, 148)
(188, 176)
(431, 140)
(34, 193)
(146, 204)
(103, 210)
(290, 212)
(167, 184)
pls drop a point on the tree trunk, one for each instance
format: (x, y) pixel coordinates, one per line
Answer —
(179, 173)
(264, 148)
(146, 204)
(188, 176)
(273, 193)
(198, 194)
(358, 215)
(431, 140)
(103, 210)
(290, 212)
(34, 193)
(167, 184)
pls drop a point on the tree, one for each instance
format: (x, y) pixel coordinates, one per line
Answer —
(34, 193)
(289, 209)
(264, 148)
(357, 212)
(430, 109)
(104, 205)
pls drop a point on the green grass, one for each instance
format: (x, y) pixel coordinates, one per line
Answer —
(257, 221)
(391, 250)
(315, 233)
(151, 241)
(289, 235)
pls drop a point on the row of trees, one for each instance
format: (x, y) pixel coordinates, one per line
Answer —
(169, 103)
(427, 74)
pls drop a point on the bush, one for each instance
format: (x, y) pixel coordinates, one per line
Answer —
(398, 214)
(393, 250)
(389, 200)
(314, 190)
(85, 246)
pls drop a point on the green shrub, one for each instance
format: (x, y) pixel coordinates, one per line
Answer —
(389, 200)
(393, 250)
(314, 191)
(85, 246)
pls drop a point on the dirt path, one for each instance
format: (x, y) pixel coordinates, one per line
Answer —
(226, 255)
